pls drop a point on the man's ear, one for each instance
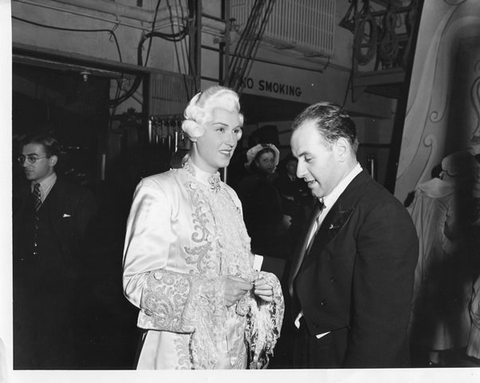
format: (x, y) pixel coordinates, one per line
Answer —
(342, 148)
(53, 160)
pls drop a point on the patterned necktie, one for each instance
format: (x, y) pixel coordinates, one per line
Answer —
(37, 196)
(316, 226)
(306, 244)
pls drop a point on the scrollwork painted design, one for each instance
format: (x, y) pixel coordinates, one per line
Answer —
(437, 116)
(430, 141)
(475, 100)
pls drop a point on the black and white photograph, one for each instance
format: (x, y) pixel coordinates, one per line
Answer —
(199, 186)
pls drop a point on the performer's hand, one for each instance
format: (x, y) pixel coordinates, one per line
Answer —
(263, 290)
(235, 289)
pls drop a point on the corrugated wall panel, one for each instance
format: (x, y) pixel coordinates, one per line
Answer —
(168, 93)
(307, 25)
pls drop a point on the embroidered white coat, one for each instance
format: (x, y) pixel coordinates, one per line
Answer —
(185, 231)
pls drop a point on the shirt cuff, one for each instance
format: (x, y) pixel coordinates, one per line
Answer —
(257, 262)
(297, 325)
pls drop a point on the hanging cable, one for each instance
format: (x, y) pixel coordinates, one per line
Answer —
(174, 37)
(153, 30)
(184, 34)
(113, 102)
(110, 31)
(138, 79)
(256, 43)
(248, 44)
(117, 100)
(188, 64)
(362, 39)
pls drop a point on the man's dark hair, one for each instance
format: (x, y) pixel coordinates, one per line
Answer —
(50, 144)
(331, 121)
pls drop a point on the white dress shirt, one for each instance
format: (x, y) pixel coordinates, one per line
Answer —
(45, 186)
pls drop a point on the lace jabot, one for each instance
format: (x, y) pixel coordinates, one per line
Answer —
(211, 180)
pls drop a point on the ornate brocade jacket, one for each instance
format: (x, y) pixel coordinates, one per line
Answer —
(185, 233)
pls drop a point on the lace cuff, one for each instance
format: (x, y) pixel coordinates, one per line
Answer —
(264, 322)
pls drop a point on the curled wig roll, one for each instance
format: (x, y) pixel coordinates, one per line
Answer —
(199, 110)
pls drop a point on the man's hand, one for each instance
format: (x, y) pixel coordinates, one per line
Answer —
(263, 290)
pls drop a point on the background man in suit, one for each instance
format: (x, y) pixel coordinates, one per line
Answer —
(351, 281)
(51, 217)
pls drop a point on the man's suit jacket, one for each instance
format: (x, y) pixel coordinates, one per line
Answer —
(71, 209)
(359, 275)
(49, 287)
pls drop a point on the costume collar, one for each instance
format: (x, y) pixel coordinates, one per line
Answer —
(213, 181)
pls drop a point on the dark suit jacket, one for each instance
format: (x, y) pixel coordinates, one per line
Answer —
(47, 288)
(359, 275)
(70, 211)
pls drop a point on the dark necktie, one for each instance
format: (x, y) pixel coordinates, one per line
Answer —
(37, 196)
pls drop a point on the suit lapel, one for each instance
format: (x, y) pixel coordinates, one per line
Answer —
(331, 226)
(57, 199)
(336, 218)
(341, 211)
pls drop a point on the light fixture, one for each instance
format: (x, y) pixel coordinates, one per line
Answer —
(85, 75)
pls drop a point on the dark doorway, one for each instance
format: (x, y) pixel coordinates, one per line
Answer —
(74, 107)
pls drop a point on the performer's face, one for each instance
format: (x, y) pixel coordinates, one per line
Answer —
(215, 148)
(317, 159)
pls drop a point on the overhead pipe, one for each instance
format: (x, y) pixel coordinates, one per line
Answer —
(118, 11)
(113, 20)
(114, 8)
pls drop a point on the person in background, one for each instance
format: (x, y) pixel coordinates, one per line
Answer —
(51, 219)
(296, 199)
(187, 261)
(443, 279)
(351, 280)
(262, 207)
(473, 345)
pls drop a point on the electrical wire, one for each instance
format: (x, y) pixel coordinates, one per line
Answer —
(253, 51)
(241, 47)
(185, 82)
(174, 37)
(249, 42)
(117, 100)
(139, 78)
(238, 58)
(112, 33)
(153, 30)
(187, 63)
(182, 43)
(350, 81)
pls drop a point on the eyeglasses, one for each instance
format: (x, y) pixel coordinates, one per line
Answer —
(31, 159)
